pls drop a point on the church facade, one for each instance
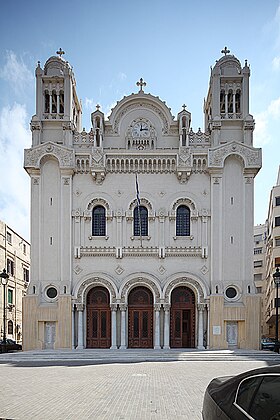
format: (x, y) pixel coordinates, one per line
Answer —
(141, 229)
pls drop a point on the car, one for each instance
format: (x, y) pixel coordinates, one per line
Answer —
(254, 394)
(268, 344)
(9, 346)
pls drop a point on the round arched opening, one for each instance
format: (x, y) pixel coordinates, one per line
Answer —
(98, 318)
(182, 318)
(140, 318)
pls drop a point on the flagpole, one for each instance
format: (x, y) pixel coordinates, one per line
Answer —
(138, 208)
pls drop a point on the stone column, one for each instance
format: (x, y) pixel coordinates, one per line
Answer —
(166, 308)
(123, 308)
(200, 308)
(113, 326)
(73, 326)
(156, 335)
(80, 309)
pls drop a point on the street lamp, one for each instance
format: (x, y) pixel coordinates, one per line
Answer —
(276, 278)
(4, 280)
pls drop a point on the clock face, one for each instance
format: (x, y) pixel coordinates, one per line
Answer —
(140, 129)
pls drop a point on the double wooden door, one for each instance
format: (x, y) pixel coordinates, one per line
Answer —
(182, 318)
(98, 318)
(140, 318)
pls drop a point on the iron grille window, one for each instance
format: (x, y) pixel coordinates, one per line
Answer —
(10, 327)
(144, 221)
(98, 221)
(183, 221)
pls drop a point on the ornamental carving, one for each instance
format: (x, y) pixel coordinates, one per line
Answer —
(137, 282)
(250, 155)
(92, 282)
(32, 157)
(184, 281)
(185, 157)
(97, 202)
(143, 201)
(140, 105)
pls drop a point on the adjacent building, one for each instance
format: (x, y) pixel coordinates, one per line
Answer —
(141, 228)
(15, 258)
(272, 259)
(259, 266)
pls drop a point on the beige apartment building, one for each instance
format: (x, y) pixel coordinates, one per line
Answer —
(272, 259)
(259, 265)
(15, 258)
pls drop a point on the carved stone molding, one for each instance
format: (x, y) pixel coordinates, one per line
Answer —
(184, 281)
(32, 157)
(157, 307)
(92, 282)
(137, 282)
(250, 155)
(96, 202)
(143, 105)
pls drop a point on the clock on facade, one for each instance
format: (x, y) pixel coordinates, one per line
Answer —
(140, 129)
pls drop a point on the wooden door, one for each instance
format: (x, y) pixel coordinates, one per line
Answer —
(140, 318)
(98, 318)
(182, 325)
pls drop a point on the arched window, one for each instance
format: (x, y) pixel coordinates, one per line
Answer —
(222, 102)
(237, 102)
(140, 221)
(10, 327)
(47, 102)
(98, 221)
(183, 221)
(230, 101)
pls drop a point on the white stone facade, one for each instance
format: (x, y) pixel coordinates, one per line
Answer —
(187, 281)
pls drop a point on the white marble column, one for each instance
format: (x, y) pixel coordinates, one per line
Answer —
(73, 327)
(156, 335)
(200, 327)
(123, 308)
(113, 326)
(80, 309)
(166, 308)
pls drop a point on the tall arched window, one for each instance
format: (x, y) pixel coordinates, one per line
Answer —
(183, 221)
(10, 328)
(140, 221)
(98, 221)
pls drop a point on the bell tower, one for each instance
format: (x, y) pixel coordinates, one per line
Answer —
(58, 110)
(226, 108)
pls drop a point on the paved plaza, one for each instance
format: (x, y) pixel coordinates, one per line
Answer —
(69, 385)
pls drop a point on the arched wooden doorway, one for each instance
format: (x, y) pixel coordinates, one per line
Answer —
(182, 318)
(140, 318)
(98, 318)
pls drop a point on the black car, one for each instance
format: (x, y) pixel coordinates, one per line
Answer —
(251, 395)
(9, 346)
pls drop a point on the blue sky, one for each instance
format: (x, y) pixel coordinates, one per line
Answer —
(111, 44)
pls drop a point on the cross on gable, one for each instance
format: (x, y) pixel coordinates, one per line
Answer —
(225, 51)
(184, 106)
(141, 83)
(60, 52)
(97, 107)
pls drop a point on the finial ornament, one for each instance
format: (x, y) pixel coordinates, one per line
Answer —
(60, 52)
(225, 51)
(97, 107)
(141, 83)
(184, 106)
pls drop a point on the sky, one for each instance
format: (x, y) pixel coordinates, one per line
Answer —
(110, 45)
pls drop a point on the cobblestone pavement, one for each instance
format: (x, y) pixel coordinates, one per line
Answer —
(144, 390)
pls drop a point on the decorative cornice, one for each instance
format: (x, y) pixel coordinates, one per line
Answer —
(251, 156)
(33, 156)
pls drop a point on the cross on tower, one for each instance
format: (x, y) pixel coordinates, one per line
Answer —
(184, 107)
(60, 52)
(97, 107)
(225, 51)
(141, 83)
